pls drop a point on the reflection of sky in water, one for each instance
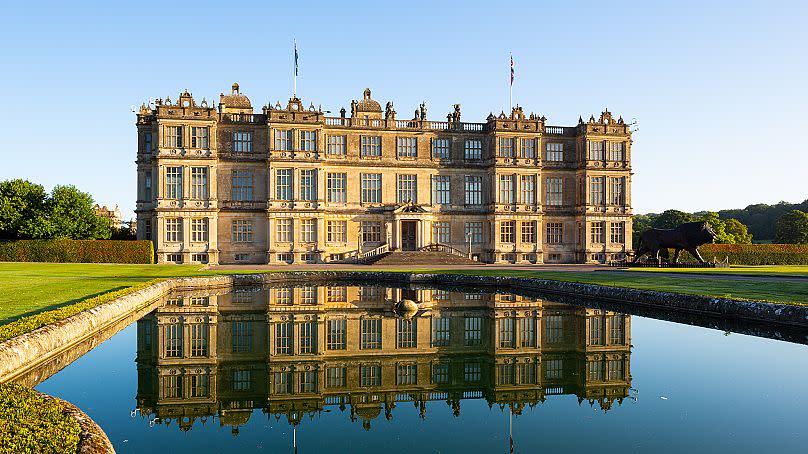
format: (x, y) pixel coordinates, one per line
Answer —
(697, 390)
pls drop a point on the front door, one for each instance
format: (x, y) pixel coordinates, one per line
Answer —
(408, 235)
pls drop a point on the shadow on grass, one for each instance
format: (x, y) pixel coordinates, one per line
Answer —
(58, 305)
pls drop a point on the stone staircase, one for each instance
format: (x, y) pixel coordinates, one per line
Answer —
(408, 258)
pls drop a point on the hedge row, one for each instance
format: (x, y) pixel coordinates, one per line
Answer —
(77, 251)
(30, 423)
(753, 254)
(32, 322)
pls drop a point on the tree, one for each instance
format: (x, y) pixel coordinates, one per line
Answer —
(22, 209)
(641, 223)
(718, 226)
(71, 216)
(792, 228)
(670, 219)
(738, 230)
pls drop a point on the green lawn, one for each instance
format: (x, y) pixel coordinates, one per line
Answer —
(29, 288)
(767, 270)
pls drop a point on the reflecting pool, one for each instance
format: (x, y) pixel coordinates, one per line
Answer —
(344, 368)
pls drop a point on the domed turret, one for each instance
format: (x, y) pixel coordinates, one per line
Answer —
(235, 102)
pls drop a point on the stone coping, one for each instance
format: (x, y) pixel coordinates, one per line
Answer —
(92, 439)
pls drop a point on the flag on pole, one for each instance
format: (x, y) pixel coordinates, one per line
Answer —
(512, 72)
(296, 60)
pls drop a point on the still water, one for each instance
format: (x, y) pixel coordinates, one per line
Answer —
(338, 369)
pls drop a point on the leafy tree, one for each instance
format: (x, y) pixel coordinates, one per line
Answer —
(22, 208)
(718, 226)
(641, 223)
(670, 219)
(761, 218)
(71, 215)
(792, 228)
(737, 229)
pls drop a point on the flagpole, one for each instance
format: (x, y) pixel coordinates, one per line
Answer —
(294, 88)
(510, 90)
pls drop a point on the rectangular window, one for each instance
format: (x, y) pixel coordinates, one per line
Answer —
(594, 370)
(370, 375)
(441, 232)
(147, 229)
(336, 294)
(505, 147)
(336, 231)
(596, 151)
(555, 233)
(617, 333)
(199, 182)
(440, 331)
(308, 184)
(199, 339)
(529, 232)
(474, 190)
(371, 232)
(241, 187)
(507, 336)
(173, 137)
(440, 373)
(308, 140)
(284, 296)
(555, 191)
(554, 369)
(147, 142)
(242, 231)
(617, 232)
(336, 337)
(199, 230)
(283, 139)
(283, 229)
(173, 337)
(308, 295)
(242, 380)
(337, 145)
(554, 152)
(242, 142)
(596, 188)
(370, 146)
(307, 381)
(370, 335)
(335, 377)
(172, 386)
(472, 331)
(616, 192)
(553, 329)
(526, 373)
(440, 148)
(173, 183)
(406, 374)
(473, 150)
(505, 374)
(406, 147)
(596, 233)
(614, 368)
(441, 190)
(336, 184)
(308, 230)
(283, 338)
(281, 383)
(475, 231)
(173, 230)
(506, 189)
(507, 232)
(406, 333)
(527, 332)
(528, 189)
(242, 337)
(407, 188)
(147, 186)
(527, 148)
(472, 371)
(616, 151)
(199, 137)
(307, 333)
(283, 184)
(371, 187)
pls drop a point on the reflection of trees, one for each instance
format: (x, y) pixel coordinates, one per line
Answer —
(293, 352)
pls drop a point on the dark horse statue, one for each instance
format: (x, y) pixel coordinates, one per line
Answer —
(688, 237)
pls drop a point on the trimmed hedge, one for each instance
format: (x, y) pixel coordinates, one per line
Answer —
(753, 254)
(32, 322)
(30, 423)
(77, 251)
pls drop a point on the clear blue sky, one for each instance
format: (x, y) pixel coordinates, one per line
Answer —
(719, 89)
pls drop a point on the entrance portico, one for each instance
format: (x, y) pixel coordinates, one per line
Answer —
(409, 227)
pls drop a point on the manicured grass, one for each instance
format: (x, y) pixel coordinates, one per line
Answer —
(763, 270)
(31, 423)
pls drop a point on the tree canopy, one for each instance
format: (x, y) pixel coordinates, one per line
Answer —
(731, 231)
(792, 228)
(762, 218)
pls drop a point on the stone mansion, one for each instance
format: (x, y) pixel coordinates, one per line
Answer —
(223, 184)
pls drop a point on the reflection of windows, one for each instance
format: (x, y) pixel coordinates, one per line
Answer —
(336, 338)
(336, 294)
(335, 377)
(506, 333)
(553, 329)
(282, 382)
(594, 370)
(199, 385)
(440, 373)
(283, 338)
(505, 374)
(596, 330)
(472, 371)
(370, 375)
(554, 369)
(440, 331)
(618, 330)
(615, 369)
(406, 333)
(308, 381)
(173, 337)
(527, 332)
(199, 339)
(526, 373)
(307, 337)
(370, 334)
(284, 296)
(406, 374)
(472, 331)
(172, 386)
(242, 380)
(242, 337)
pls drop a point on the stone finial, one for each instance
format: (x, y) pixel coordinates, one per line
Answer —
(235, 89)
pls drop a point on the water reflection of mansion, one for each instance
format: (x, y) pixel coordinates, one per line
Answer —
(297, 351)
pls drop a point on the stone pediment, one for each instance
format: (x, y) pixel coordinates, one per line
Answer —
(410, 207)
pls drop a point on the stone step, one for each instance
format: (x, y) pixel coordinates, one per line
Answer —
(420, 258)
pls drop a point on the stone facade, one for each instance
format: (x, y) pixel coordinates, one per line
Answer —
(289, 185)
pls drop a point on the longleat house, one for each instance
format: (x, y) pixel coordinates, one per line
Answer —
(223, 184)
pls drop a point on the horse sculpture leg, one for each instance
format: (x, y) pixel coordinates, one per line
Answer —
(676, 255)
(641, 250)
(695, 253)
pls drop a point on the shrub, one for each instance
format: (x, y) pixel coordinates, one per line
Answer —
(31, 423)
(77, 251)
(32, 322)
(753, 254)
